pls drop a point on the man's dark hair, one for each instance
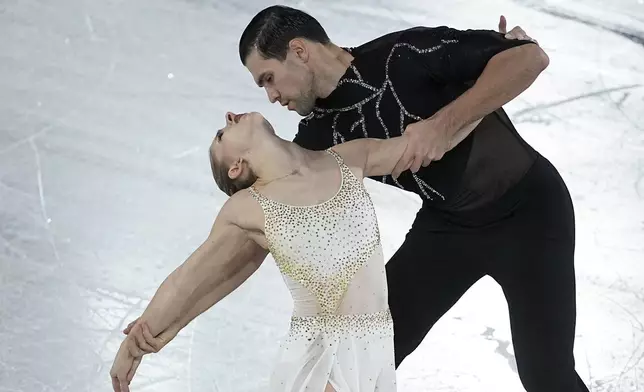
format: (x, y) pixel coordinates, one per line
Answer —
(224, 182)
(274, 27)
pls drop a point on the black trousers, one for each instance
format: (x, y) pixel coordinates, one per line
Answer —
(525, 241)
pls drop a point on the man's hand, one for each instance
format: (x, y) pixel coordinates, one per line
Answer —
(516, 33)
(426, 142)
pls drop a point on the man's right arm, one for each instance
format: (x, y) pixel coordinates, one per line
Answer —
(378, 157)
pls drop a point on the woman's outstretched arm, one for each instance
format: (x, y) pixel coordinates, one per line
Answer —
(378, 157)
(212, 271)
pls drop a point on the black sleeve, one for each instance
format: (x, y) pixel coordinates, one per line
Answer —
(305, 137)
(454, 56)
(311, 138)
(302, 137)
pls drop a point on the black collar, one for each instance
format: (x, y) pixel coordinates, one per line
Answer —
(350, 91)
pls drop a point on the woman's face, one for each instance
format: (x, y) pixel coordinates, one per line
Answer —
(233, 142)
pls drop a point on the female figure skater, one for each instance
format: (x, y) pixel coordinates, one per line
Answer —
(310, 210)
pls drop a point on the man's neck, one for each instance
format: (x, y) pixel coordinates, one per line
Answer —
(334, 62)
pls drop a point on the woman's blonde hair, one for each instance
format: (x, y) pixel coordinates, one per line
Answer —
(224, 182)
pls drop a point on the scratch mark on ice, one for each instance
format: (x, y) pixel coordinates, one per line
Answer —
(41, 192)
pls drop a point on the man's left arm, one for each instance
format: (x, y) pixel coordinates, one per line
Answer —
(505, 76)
(497, 69)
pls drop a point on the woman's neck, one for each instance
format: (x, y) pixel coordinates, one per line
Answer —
(277, 158)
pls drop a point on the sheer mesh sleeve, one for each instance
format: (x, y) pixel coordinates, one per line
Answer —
(498, 159)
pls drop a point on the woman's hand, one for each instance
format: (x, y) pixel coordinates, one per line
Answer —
(145, 342)
(124, 367)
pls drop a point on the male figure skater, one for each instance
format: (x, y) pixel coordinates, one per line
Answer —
(492, 205)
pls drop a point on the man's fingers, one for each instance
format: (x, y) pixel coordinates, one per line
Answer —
(518, 33)
(116, 385)
(401, 166)
(502, 25)
(512, 34)
(426, 161)
(402, 163)
(406, 164)
(418, 160)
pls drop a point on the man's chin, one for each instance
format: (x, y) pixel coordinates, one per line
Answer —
(303, 111)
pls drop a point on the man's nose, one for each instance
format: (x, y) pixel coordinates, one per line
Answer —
(230, 117)
(273, 95)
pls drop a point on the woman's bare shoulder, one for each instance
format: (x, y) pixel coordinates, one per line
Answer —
(242, 210)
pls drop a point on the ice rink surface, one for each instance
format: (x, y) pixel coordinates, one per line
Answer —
(107, 109)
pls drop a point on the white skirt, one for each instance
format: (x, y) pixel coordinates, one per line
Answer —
(353, 353)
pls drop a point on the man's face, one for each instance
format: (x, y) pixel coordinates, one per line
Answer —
(289, 82)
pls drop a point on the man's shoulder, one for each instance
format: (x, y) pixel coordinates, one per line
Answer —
(385, 42)
(390, 39)
(313, 134)
(307, 123)
(424, 34)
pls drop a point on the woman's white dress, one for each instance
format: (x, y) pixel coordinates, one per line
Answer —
(331, 259)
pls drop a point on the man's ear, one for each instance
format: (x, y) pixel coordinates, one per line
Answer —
(300, 49)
